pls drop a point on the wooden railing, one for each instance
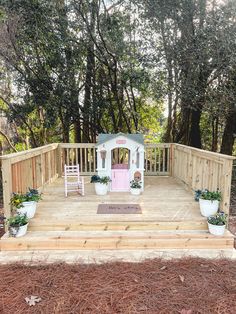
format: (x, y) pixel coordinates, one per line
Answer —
(200, 169)
(80, 153)
(157, 158)
(31, 168)
(234, 170)
(37, 167)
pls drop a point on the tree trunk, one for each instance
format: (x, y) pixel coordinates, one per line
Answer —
(195, 132)
(215, 130)
(89, 80)
(77, 132)
(229, 134)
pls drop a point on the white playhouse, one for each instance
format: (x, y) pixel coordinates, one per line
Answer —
(121, 157)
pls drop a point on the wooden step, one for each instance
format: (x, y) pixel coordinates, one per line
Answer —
(37, 224)
(115, 240)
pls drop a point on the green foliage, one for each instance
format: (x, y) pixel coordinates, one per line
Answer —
(210, 196)
(135, 184)
(103, 180)
(95, 179)
(220, 219)
(79, 69)
(31, 196)
(17, 221)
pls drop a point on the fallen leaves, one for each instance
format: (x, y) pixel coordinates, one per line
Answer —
(32, 300)
(181, 278)
(163, 267)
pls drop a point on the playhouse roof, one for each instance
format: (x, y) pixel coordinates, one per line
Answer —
(102, 138)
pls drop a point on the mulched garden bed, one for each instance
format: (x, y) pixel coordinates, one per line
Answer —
(185, 286)
(233, 199)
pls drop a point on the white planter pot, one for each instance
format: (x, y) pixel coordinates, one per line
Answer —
(19, 232)
(29, 208)
(135, 191)
(101, 189)
(216, 230)
(208, 208)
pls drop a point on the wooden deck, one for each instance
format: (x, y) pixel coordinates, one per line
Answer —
(170, 219)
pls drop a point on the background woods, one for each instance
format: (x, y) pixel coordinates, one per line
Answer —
(73, 69)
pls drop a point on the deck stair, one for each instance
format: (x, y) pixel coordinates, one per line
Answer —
(170, 219)
(115, 236)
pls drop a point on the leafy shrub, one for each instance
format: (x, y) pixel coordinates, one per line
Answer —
(207, 195)
(135, 184)
(31, 196)
(17, 221)
(219, 219)
(98, 179)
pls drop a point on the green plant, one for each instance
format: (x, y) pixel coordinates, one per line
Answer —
(95, 179)
(102, 180)
(210, 196)
(219, 219)
(17, 200)
(17, 221)
(135, 184)
(31, 196)
(105, 180)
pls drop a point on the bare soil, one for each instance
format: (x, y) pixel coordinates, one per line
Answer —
(183, 286)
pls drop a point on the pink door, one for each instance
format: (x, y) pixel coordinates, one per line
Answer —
(120, 180)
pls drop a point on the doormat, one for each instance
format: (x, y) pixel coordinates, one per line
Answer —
(119, 209)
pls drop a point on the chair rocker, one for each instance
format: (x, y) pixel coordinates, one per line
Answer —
(72, 180)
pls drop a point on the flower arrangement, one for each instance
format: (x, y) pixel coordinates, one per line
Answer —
(102, 180)
(208, 195)
(18, 199)
(219, 219)
(135, 184)
(17, 221)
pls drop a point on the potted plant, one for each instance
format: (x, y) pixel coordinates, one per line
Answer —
(18, 225)
(209, 202)
(26, 203)
(101, 184)
(217, 223)
(135, 187)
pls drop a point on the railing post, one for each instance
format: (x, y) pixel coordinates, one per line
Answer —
(59, 160)
(7, 186)
(42, 168)
(227, 178)
(172, 159)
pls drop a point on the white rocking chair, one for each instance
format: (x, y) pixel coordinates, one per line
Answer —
(73, 181)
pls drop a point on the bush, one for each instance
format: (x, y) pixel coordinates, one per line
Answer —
(220, 219)
(135, 184)
(17, 221)
(207, 195)
(31, 196)
(98, 179)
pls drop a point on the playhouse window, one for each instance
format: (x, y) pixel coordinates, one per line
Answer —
(137, 159)
(120, 158)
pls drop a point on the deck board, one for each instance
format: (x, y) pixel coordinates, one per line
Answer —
(164, 199)
(170, 219)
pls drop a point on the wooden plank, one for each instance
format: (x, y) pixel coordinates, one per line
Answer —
(71, 225)
(207, 154)
(81, 160)
(226, 190)
(17, 157)
(94, 160)
(7, 186)
(90, 159)
(117, 240)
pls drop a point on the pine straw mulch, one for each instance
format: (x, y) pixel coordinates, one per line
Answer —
(233, 198)
(186, 286)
